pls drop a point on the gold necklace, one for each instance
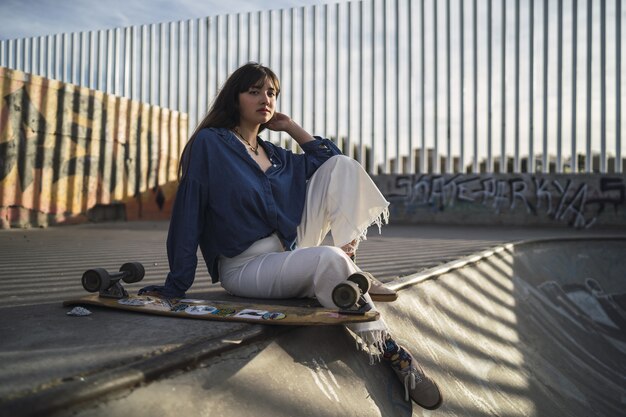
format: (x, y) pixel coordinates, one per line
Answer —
(254, 149)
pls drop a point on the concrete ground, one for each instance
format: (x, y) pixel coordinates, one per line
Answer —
(481, 329)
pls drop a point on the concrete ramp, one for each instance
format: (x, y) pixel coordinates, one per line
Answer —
(536, 329)
(533, 329)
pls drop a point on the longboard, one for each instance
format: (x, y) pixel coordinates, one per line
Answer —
(226, 310)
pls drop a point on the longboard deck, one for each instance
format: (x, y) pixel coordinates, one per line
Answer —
(226, 310)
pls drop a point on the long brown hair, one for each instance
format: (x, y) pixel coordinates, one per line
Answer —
(224, 112)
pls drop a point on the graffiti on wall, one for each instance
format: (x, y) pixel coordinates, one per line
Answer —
(578, 200)
(65, 150)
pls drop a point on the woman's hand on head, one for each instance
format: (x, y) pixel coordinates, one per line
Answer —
(280, 122)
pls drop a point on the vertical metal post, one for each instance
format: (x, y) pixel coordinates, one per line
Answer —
(574, 157)
(399, 167)
(589, 156)
(13, 53)
(503, 161)
(314, 75)
(76, 57)
(435, 155)
(228, 61)
(59, 55)
(84, 58)
(67, 58)
(489, 167)
(603, 159)
(164, 73)
(111, 61)
(94, 63)
(29, 58)
(209, 23)
(218, 52)
(559, 94)
(281, 56)
(128, 57)
(292, 84)
(239, 49)
(372, 161)
(192, 74)
(475, 89)
(449, 158)
(462, 90)
(531, 89)
(146, 64)
(25, 55)
(546, 160)
(304, 72)
(386, 161)
(20, 55)
(423, 167)
(172, 66)
(50, 57)
(409, 28)
(43, 56)
(348, 142)
(201, 96)
(361, 86)
(249, 36)
(182, 66)
(28, 61)
(337, 55)
(137, 75)
(259, 35)
(618, 90)
(516, 161)
(326, 61)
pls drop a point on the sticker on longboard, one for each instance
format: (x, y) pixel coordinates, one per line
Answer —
(191, 301)
(251, 314)
(200, 310)
(135, 301)
(177, 308)
(224, 312)
(159, 302)
(274, 315)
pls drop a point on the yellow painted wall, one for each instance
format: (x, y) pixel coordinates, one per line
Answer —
(67, 151)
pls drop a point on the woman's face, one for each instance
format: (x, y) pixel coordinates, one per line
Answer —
(257, 105)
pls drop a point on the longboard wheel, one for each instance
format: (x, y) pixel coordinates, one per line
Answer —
(134, 272)
(346, 294)
(95, 279)
(361, 279)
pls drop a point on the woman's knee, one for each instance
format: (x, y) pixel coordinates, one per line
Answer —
(341, 160)
(336, 263)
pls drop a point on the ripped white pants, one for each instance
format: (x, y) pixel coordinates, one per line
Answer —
(342, 199)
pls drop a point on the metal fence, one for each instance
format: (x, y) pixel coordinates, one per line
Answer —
(402, 85)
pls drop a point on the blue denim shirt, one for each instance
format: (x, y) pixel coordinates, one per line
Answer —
(225, 202)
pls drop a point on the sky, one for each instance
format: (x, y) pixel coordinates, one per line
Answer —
(27, 18)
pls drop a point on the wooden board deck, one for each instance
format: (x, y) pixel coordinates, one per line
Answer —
(226, 310)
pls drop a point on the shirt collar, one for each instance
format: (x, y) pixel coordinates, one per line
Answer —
(228, 136)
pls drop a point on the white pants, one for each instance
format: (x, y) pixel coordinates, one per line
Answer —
(341, 198)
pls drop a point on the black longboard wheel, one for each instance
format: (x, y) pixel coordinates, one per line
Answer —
(134, 272)
(361, 279)
(96, 279)
(346, 294)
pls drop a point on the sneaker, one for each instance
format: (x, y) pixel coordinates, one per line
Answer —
(417, 385)
(378, 292)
